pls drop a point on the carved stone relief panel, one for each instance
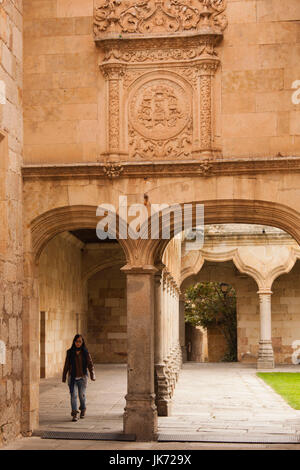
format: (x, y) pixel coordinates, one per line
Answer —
(157, 16)
(159, 62)
(160, 120)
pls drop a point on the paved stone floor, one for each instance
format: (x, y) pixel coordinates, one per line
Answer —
(223, 399)
(210, 399)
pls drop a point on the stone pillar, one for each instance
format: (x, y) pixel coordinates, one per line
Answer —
(206, 70)
(182, 329)
(163, 401)
(113, 74)
(158, 315)
(265, 352)
(164, 286)
(140, 417)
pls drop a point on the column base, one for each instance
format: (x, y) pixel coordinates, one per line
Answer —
(184, 353)
(163, 390)
(164, 407)
(263, 365)
(265, 355)
(140, 417)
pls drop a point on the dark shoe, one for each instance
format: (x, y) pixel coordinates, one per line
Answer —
(82, 414)
(74, 414)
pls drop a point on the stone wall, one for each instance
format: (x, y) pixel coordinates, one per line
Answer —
(107, 319)
(64, 88)
(11, 266)
(259, 64)
(217, 345)
(63, 300)
(61, 119)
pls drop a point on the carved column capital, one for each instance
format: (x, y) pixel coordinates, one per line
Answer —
(207, 66)
(130, 269)
(112, 71)
(264, 292)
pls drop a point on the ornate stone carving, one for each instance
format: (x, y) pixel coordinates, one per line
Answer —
(147, 149)
(161, 53)
(160, 121)
(205, 168)
(159, 110)
(224, 167)
(113, 170)
(158, 16)
(187, 72)
(113, 73)
(142, 36)
(206, 70)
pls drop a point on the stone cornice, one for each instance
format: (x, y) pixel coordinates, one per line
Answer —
(114, 19)
(204, 169)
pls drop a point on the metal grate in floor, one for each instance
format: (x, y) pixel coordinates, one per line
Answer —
(223, 438)
(88, 436)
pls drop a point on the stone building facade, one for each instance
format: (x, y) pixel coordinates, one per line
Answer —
(162, 101)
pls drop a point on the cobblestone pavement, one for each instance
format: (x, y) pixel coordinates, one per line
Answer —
(210, 399)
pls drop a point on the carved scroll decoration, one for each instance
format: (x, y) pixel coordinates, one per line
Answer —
(158, 16)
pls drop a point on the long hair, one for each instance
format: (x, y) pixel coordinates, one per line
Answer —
(83, 346)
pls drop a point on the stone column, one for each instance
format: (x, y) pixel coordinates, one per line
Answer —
(182, 328)
(158, 315)
(164, 315)
(163, 401)
(140, 417)
(265, 352)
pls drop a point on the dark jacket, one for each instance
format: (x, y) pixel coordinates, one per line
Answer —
(68, 366)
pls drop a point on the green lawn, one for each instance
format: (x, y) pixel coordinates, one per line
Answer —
(286, 384)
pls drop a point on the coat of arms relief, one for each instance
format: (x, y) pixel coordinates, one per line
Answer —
(159, 60)
(160, 121)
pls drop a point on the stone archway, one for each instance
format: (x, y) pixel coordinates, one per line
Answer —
(142, 258)
(41, 230)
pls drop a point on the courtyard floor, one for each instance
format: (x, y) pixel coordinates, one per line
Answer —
(214, 402)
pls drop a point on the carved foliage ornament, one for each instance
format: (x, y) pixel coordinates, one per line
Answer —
(159, 54)
(158, 16)
(113, 170)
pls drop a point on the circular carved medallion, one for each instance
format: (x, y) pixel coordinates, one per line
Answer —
(160, 109)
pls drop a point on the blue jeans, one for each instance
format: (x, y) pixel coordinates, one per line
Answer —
(80, 384)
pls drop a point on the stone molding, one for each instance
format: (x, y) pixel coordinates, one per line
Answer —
(263, 269)
(157, 17)
(148, 252)
(206, 168)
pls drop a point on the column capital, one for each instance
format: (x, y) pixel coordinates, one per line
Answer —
(207, 66)
(266, 291)
(160, 267)
(112, 71)
(145, 269)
